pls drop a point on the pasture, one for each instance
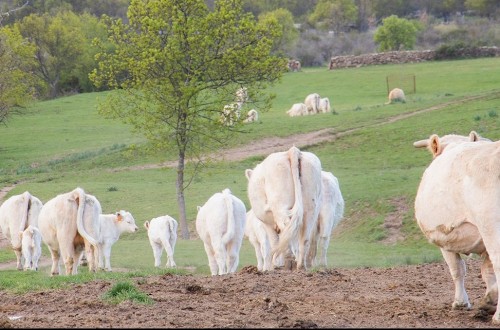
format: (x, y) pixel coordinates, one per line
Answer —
(63, 143)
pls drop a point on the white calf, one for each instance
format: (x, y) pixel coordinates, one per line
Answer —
(330, 214)
(111, 227)
(31, 242)
(256, 233)
(162, 233)
(324, 105)
(220, 223)
(252, 116)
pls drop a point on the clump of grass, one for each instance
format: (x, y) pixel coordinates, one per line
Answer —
(492, 114)
(112, 188)
(122, 291)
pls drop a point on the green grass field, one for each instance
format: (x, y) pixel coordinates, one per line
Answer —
(63, 143)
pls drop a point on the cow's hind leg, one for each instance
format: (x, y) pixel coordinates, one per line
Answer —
(457, 270)
(19, 259)
(157, 252)
(489, 301)
(55, 262)
(212, 263)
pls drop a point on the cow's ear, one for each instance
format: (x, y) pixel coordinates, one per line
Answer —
(119, 217)
(473, 136)
(248, 173)
(146, 225)
(435, 145)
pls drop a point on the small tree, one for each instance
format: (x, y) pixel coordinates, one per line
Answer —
(174, 67)
(16, 63)
(395, 34)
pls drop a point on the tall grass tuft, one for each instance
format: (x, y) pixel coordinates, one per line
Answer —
(122, 291)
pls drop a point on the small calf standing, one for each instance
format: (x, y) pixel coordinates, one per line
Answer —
(162, 233)
(220, 223)
(31, 244)
(111, 227)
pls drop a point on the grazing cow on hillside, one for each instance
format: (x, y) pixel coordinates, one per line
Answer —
(231, 113)
(220, 223)
(31, 242)
(396, 95)
(162, 234)
(111, 226)
(324, 105)
(312, 103)
(257, 235)
(457, 207)
(252, 116)
(69, 224)
(285, 193)
(330, 214)
(298, 109)
(16, 214)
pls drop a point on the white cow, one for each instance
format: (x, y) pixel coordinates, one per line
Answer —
(162, 233)
(231, 113)
(396, 95)
(312, 103)
(298, 109)
(252, 116)
(324, 105)
(330, 214)
(69, 223)
(285, 193)
(457, 207)
(111, 226)
(16, 214)
(257, 235)
(31, 242)
(220, 223)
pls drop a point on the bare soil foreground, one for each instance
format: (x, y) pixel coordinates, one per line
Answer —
(400, 297)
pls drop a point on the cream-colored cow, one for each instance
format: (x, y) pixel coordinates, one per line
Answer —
(16, 214)
(457, 207)
(284, 191)
(69, 224)
(396, 95)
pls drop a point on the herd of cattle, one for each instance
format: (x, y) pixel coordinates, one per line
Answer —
(294, 207)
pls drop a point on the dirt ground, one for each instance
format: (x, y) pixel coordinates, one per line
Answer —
(400, 297)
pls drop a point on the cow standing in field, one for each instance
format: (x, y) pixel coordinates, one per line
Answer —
(111, 226)
(31, 242)
(396, 95)
(16, 214)
(220, 223)
(457, 207)
(312, 103)
(330, 214)
(69, 224)
(285, 193)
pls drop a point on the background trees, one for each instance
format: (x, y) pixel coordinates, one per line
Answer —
(176, 64)
(396, 34)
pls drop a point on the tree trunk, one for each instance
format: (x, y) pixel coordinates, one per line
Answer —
(180, 197)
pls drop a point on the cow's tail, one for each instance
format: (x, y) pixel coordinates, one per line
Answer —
(25, 208)
(80, 198)
(230, 230)
(291, 232)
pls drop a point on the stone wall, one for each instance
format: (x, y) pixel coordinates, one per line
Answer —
(400, 57)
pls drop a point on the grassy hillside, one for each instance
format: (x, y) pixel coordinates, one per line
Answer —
(64, 143)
